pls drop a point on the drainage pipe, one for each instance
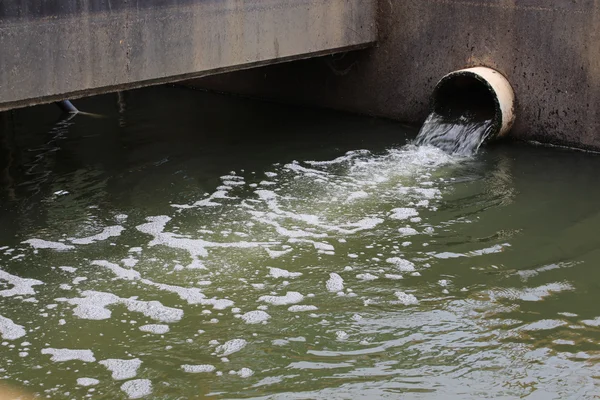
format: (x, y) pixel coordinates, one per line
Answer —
(477, 92)
(67, 107)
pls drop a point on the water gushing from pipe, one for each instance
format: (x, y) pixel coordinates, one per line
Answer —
(469, 106)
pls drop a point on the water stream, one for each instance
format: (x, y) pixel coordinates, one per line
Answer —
(170, 250)
(460, 135)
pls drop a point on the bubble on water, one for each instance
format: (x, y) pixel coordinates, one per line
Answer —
(288, 298)
(121, 368)
(245, 373)
(120, 272)
(323, 246)
(302, 308)
(341, 335)
(406, 299)
(20, 286)
(61, 355)
(403, 213)
(158, 329)
(93, 306)
(401, 264)
(68, 269)
(335, 283)
(282, 273)
(393, 276)
(9, 330)
(45, 244)
(137, 388)
(255, 317)
(230, 347)
(87, 381)
(367, 277)
(407, 231)
(564, 342)
(195, 369)
(277, 253)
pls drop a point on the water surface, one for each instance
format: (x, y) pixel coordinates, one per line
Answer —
(189, 245)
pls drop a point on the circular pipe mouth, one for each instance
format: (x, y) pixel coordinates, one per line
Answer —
(478, 94)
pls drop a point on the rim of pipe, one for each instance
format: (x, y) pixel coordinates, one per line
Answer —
(496, 84)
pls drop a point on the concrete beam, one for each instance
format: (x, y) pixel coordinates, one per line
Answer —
(58, 49)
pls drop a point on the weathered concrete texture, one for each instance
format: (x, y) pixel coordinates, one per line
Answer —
(548, 49)
(67, 48)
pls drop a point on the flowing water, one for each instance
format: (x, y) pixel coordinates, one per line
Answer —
(462, 135)
(187, 245)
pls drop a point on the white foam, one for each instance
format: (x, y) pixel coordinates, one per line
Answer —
(195, 247)
(9, 330)
(87, 381)
(155, 328)
(289, 298)
(591, 322)
(403, 213)
(255, 317)
(447, 255)
(407, 231)
(282, 273)
(108, 232)
(21, 286)
(195, 369)
(277, 253)
(120, 272)
(245, 373)
(122, 369)
(402, 264)
(394, 277)
(367, 277)
(335, 283)
(61, 355)
(130, 261)
(93, 306)
(406, 299)
(230, 347)
(137, 388)
(323, 246)
(68, 269)
(302, 308)
(45, 244)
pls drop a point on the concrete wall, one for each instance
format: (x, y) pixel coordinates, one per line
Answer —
(549, 50)
(54, 49)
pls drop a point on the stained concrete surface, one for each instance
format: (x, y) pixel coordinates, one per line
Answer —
(548, 49)
(55, 49)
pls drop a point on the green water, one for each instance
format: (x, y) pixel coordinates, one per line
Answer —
(223, 248)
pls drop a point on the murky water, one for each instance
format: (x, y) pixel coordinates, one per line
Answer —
(187, 245)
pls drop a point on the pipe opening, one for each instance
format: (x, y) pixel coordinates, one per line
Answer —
(465, 96)
(468, 107)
